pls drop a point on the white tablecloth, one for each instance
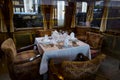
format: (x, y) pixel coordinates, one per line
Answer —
(60, 54)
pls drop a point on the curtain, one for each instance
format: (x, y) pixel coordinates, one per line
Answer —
(44, 17)
(47, 11)
(7, 12)
(2, 23)
(90, 14)
(69, 13)
(73, 16)
(51, 17)
(105, 16)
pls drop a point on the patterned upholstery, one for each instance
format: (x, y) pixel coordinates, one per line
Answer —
(42, 33)
(95, 41)
(76, 70)
(81, 33)
(23, 65)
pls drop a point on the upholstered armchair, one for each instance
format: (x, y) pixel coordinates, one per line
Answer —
(42, 33)
(22, 64)
(95, 41)
(76, 70)
(81, 33)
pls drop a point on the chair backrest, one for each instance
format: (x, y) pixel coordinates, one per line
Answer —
(42, 33)
(94, 40)
(81, 32)
(9, 48)
(81, 69)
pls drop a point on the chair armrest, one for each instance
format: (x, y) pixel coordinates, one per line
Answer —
(28, 60)
(26, 48)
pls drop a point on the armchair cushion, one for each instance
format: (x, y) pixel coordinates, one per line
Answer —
(27, 67)
(94, 40)
(24, 56)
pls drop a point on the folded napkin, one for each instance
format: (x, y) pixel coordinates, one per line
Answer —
(66, 42)
(72, 35)
(46, 39)
(55, 35)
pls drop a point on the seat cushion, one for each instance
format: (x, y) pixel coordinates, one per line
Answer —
(28, 66)
(28, 70)
(22, 62)
(24, 56)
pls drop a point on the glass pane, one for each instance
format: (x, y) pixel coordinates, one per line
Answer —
(60, 11)
(113, 21)
(81, 9)
(98, 11)
(27, 13)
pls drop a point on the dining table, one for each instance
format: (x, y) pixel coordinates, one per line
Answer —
(59, 51)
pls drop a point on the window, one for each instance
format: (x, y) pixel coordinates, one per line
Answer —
(27, 13)
(98, 11)
(113, 21)
(59, 13)
(81, 9)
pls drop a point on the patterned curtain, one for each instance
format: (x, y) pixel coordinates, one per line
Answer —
(105, 16)
(89, 16)
(7, 12)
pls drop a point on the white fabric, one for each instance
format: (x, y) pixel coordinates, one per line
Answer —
(60, 54)
(46, 38)
(72, 35)
(66, 41)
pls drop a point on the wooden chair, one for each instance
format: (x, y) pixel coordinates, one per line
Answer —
(22, 64)
(75, 70)
(95, 41)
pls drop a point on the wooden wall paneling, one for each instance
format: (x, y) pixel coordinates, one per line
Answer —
(111, 45)
(108, 41)
(22, 38)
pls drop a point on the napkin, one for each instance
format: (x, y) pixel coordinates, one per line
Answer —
(66, 42)
(55, 35)
(46, 39)
(72, 35)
